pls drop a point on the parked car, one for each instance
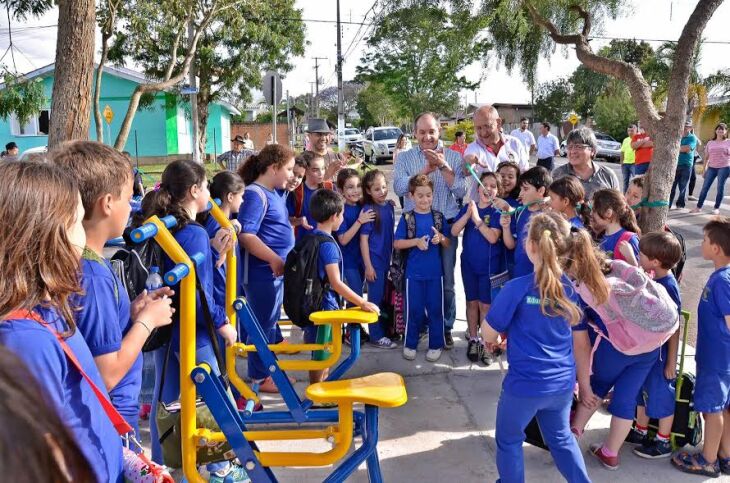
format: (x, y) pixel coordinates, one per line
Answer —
(33, 153)
(350, 135)
(608, 148)
(379, 143)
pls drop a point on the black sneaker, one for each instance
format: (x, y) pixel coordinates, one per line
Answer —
(658, 449)
(473, 350)
(637, 437)
(486, 357)
(449, 340)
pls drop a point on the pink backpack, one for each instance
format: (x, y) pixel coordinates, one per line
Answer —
(639, 315)
(625, 236)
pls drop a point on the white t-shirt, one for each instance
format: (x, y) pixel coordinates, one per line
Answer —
(547, 145)
(512, 150)
(526, 136)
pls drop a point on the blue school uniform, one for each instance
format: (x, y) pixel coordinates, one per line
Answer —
(67, 391)
(291, 209)
(479, 258)
(264, 214)
(658, 391)
(609, 242)
(523, 265)
(577, 222)
(351, 254)
(104, 320)
(510, 252)
(712, 388)
(329, 253)
(424, 291)
(539, 382)
(219, 273)
(380, 245)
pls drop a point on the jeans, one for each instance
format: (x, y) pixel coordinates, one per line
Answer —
(681, 179)
(710, 174)
(627, 172)
(448, 263)
(692, 178)
(553, 415)
(546, 163)
(641, 169)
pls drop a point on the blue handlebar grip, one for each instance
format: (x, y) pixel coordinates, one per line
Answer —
(169, 221)
(217, 201)
(198, 258)
(115, 242)
(174, 276)
(144, 232)
(248, 410)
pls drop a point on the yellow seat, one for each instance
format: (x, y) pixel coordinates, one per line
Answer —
(385, 390)
(346, 316)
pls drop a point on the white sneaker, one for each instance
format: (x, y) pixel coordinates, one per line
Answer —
(696, 210)
(433, 355)
(716, 211)
(409, 354)
(692, 198)
(385, 343)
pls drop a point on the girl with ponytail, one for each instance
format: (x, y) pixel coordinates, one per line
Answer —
(567, 197)
(537, 312)
(614, 218)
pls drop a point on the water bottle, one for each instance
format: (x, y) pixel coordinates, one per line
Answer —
(154, 280)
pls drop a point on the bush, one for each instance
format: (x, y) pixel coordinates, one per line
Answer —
(466, 125)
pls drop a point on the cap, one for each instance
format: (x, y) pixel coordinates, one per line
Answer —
(238, 139)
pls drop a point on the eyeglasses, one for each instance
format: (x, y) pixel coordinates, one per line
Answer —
(578, 147)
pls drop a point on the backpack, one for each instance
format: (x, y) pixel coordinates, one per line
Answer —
(132, 264)
(639, 315)
(625, 236)
(677, 270)
(397, 270)
(303, 289)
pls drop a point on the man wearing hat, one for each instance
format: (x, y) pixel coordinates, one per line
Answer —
(687, 149)
(232, 159)
(320, 138)
(11, 152)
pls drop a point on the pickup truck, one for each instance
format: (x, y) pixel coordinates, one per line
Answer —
(379, 143)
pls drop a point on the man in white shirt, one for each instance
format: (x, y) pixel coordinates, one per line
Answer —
(490, 148)
(548, 147)
(525, 135)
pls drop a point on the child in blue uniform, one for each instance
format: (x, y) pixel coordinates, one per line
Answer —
(297, 204)
(376, 246)
(537, 312)
(567, 197)
(40, 251)
(533, 188)
(300, 170)
(509, 175)
(424, 290)
(115, 331)
(712, 387)
(615, 219)
(266, 238)
(483, 255)
(659, 252)
(327, 210)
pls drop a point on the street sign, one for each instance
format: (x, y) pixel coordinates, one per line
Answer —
(108, 114)
(187, 90)
(573, 118)
(271, 84)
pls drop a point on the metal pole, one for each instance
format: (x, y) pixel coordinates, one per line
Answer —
(273, 107)
(340, 94)
(288, 119)
(136, 148)
(193, 98)
(215, 147)
(316, 83)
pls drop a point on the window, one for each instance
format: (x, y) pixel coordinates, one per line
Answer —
(37, 126)
(382, 134)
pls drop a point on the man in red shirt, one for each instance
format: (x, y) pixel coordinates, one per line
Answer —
(459, 143)
(643, 147)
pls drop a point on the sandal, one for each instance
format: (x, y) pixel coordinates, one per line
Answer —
(695, 464)
(724, 465)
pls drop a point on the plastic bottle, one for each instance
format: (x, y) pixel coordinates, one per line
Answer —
(154, 280)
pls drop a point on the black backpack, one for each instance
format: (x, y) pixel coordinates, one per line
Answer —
(132, 264)
(397, 270)
(303, 289)
(677, 270)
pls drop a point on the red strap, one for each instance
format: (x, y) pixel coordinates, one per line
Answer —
(117, 420)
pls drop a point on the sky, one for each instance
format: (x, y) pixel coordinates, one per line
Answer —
(647, 19)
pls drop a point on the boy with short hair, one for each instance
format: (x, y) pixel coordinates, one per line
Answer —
(534, 184)
(424, 272)
(298, 202)
(659, 252)
(712, 386)
(327, 210)
(114, 329)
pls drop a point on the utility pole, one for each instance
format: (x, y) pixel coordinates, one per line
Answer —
(194, 98)
(289, 133)
(311, 99)
(340, 94)
(316, 82)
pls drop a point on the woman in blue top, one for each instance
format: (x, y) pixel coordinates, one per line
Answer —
(266, 238)
(613, 217)
(40, 251)
(537, 312)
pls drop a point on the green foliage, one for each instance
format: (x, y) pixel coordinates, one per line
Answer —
(376, 107)
(614, 110)
(553, 101)
(21, 97)
(328, 99)
(466, 125)
(23, 9)
(417, 52)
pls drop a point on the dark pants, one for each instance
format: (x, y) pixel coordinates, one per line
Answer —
(546, 163)
(692, 178)
(681, 179)
(627, 172)
(641, 169)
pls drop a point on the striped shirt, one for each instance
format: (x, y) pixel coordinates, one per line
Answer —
(233, 159)
(412, 162)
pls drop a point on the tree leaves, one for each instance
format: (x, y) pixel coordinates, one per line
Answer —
(22, 97)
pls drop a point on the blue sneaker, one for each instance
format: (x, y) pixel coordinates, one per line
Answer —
(233, 473)
(656, 450)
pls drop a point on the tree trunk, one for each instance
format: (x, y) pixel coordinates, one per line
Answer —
(97, 89)
(203, 99)
(71, 96)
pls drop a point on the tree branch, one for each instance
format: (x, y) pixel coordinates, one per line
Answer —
(173, 54)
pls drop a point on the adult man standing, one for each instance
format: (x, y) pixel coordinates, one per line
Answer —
(525, 135)
(320, 137)
(491, 147)
(11, 152)
(643, 147)
(445, 168)
(582, 146)
(548, 147)
(232, 159)
(459, 143)
(685, 163)
(627, 157)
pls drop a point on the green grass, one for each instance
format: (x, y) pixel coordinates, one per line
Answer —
(151, 173)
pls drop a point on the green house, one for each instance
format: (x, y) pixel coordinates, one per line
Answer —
(160, 132)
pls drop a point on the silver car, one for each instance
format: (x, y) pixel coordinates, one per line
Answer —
(379, 143)
(608, 148)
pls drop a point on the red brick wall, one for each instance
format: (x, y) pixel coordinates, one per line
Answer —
(260, 133)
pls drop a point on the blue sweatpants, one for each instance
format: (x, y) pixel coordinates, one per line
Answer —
(553, 415)
(422, 297)
(354, 278)
(265, 298)
(376, 294)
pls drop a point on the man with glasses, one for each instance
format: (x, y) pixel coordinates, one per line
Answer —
(627, 157)
(582, 145)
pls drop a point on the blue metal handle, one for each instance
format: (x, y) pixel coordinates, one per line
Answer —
(169, 221)
(198, 258)
(149, 230)
(115, 242)
(217, 201)
(174, 276)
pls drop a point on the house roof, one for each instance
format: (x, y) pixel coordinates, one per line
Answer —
(121, 72)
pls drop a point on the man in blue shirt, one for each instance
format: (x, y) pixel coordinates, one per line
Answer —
(548, 147)
(687, 150)
(445, 169)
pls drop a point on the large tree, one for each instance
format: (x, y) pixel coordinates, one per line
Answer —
(375, 106)
(328, 99)
(553, 101)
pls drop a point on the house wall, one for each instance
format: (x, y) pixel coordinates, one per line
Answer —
(259, 133)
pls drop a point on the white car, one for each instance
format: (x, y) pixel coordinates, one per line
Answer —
(379, 143)
(350, 135)
(32, 153)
